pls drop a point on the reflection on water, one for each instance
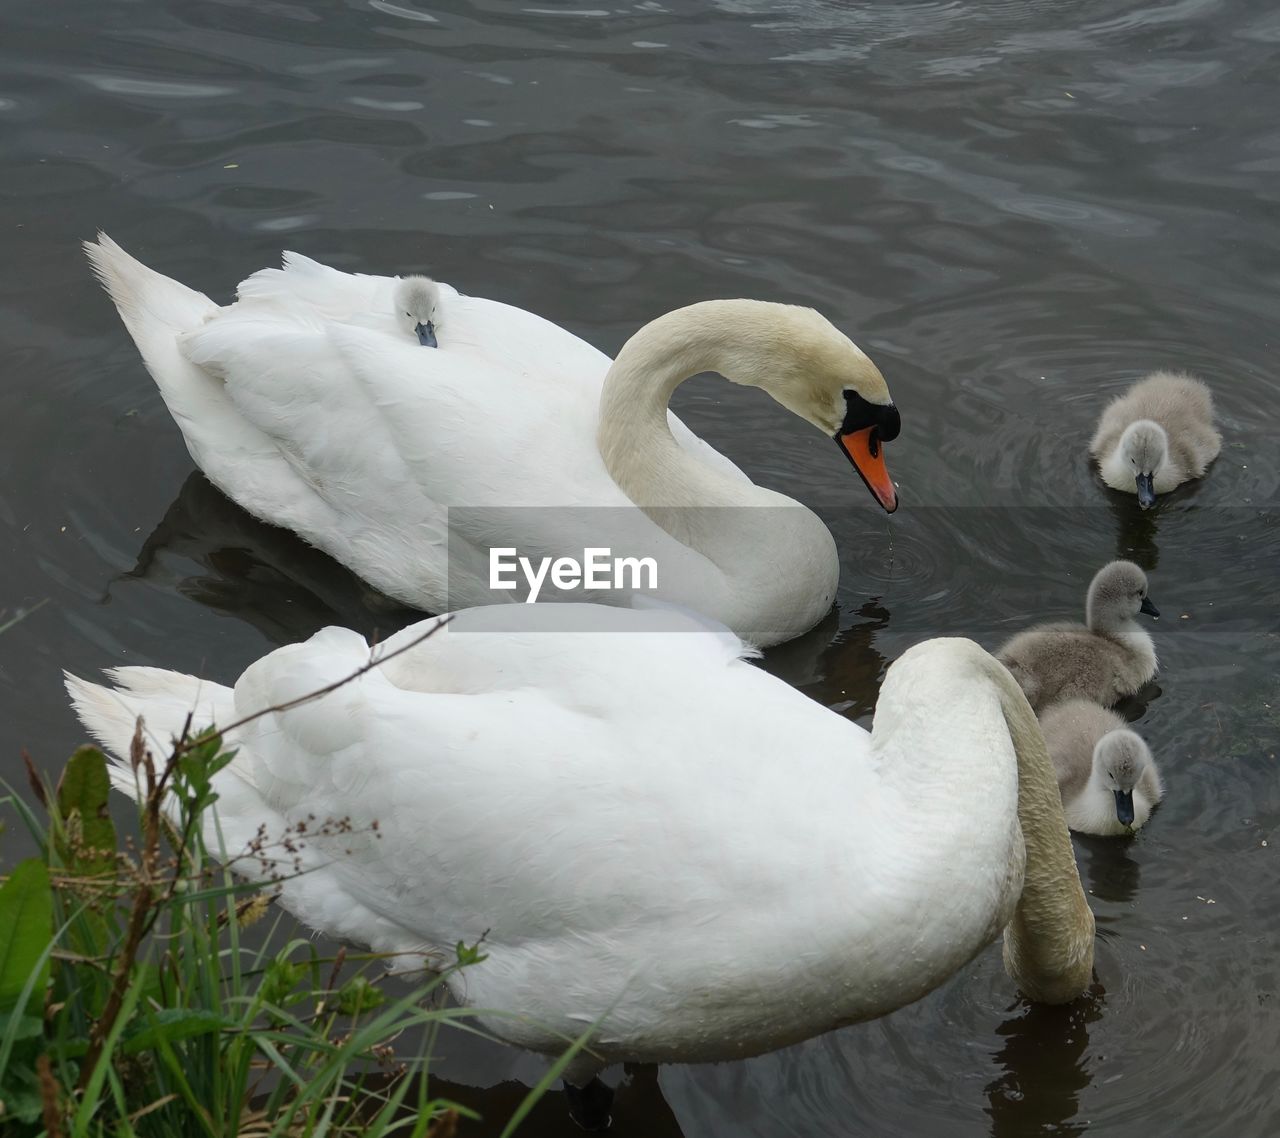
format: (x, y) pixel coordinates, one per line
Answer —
(1136, 529)
(1044, 1069)
(639, 1110)
(1106, 868)
(839, 667)
(263, 574)
(1016, 209)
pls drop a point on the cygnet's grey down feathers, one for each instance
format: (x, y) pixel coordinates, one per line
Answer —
(1102, 660)
(1094, 755)
(416, 300)
(1125, 444)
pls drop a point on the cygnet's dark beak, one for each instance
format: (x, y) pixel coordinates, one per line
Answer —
(1149, 608)
(1146, 492)
(1124, 807)
(426, 334)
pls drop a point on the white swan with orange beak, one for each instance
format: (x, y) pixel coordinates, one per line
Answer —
(308, 404)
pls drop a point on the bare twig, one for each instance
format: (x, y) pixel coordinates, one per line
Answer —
(151, 1107)
(446, 1126)
(48, 1096)
(34, 780)
(138, 914)
(323, 1005)
(374, 661)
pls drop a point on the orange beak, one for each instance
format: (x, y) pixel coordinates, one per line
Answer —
(866, 453)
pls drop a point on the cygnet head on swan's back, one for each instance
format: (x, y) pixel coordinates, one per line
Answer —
(1145, 446)
(1117, 593)
(415, 300)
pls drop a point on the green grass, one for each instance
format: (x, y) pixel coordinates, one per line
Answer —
(133, 1003)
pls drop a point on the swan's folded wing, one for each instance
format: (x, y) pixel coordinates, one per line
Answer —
(283, 374)
(417, 834)
(516, 342)
(483, 434)
(501, 808)
(330, 293)
(520, 342)
(529, 347)
(568, 645)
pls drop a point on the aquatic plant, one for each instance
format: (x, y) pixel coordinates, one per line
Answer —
(135, 1000)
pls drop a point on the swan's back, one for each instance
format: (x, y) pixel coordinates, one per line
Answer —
(522, 771)
(305, 404)
(637, 821)
(519, 343)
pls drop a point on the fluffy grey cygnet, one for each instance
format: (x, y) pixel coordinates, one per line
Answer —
(416, 299)
(1156, 436)
(1103, 660)
(1108, 780)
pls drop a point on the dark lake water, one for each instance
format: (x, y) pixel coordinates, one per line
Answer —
(1015, 208)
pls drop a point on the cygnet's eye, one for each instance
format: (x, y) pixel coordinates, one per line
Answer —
(409, 314)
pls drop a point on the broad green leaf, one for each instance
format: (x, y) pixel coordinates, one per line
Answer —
(171, 1025)
(27, 1027)
(89, 837)
(26, 928)
(21, 1102)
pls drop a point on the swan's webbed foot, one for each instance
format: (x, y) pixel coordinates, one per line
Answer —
(589, 1105)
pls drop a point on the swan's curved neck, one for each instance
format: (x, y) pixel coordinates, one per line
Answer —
(635, 436)
(971, 870)
(779, 562)
(1048, 946)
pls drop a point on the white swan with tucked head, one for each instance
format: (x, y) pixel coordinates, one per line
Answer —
(646, 829)
(301, 404)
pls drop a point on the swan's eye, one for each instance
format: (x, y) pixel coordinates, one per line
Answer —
(409, 314)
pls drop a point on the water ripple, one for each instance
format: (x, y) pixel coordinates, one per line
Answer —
(1016, 207)
(154, 88)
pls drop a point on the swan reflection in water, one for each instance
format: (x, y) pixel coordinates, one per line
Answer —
(839, 667)
(261, 573)
(289, 590)
(1045, 1069)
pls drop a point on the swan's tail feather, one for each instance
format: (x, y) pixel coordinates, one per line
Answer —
(145, 298)
(162, 700)
(159, 314)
